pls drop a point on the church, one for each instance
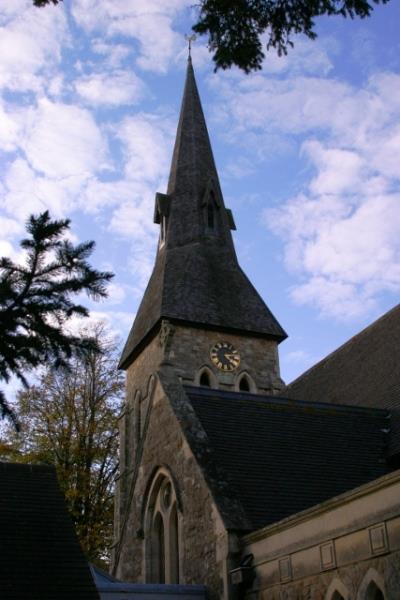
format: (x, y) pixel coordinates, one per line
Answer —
(227, 477)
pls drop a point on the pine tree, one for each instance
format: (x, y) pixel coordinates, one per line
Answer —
(36, 301)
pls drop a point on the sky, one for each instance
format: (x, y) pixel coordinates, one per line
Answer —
(308, 153)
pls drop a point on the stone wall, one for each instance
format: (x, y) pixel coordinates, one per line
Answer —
(203, 539)
(339, 545)
(151, 437)
(189, 350)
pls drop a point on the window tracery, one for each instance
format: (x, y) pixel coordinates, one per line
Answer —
(162, 532)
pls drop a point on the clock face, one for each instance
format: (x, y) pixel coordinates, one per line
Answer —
(225, 356)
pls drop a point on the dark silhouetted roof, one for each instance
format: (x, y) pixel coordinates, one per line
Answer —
(364, 372)
(40, 555)
(282, 456)
(196, 277)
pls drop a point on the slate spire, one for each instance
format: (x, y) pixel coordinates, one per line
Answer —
(197, 210)
(196, 278)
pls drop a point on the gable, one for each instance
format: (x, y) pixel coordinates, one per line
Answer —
(40, 554)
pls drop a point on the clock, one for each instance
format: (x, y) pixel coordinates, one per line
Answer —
(224, 356)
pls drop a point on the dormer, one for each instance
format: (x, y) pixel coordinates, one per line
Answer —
(161, 213)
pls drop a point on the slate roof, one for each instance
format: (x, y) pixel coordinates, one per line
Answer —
(364, 372)
(282, 456)
(40, 555)
(196, 277)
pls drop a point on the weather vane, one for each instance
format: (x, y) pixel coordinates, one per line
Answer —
(190, 39)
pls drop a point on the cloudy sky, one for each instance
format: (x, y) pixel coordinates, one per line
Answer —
(308, 152)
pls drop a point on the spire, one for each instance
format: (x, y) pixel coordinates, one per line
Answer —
(196, 278)
(193, 180)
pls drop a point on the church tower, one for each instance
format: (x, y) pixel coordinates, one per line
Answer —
(201, 324)
(210, 320)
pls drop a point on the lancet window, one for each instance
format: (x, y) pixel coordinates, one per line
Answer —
(373, 592)
(162, 532)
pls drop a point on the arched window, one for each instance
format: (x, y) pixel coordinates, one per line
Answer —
(373, 592)
(204, 379)
(371, 587)
(162, 532)
(244, 385)
(158, 549)
(337, 591)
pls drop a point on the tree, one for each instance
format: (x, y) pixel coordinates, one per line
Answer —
(234, 27)
(35, 300)
(69, 420)
(44, 2)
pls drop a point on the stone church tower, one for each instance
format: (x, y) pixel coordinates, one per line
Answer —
(201, 323)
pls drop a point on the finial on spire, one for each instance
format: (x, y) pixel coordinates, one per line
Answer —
(190, 39)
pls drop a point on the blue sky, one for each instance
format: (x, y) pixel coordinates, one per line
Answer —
(307, 150)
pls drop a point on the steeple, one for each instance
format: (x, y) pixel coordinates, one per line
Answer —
(197, 211)
(196, 278)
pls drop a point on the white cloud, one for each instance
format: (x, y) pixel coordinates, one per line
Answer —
(116, 293)
(347, 254)
(114, 89)
(339, 171)
(26, 192)
(147, 140)
(30, 44)
(114, 54)
(63, 140)
(340, 234)
(9, 129)
(149, 22)
(10, 228)
(117, 323)
(306, 57)
(333, 298)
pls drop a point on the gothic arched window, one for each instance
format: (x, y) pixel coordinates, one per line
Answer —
(162, 532)
(373, 592)
(244, 385)
(337, 591)
(371, 587)
(204, 379)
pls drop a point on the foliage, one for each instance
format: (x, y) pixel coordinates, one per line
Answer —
(235, 27)
(44, 2)
(69, 420)
(35, 300)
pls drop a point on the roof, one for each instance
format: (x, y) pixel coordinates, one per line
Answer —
(113, 589)
(283, 456)
(364, 372)
(40, 555)
(186, 281)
